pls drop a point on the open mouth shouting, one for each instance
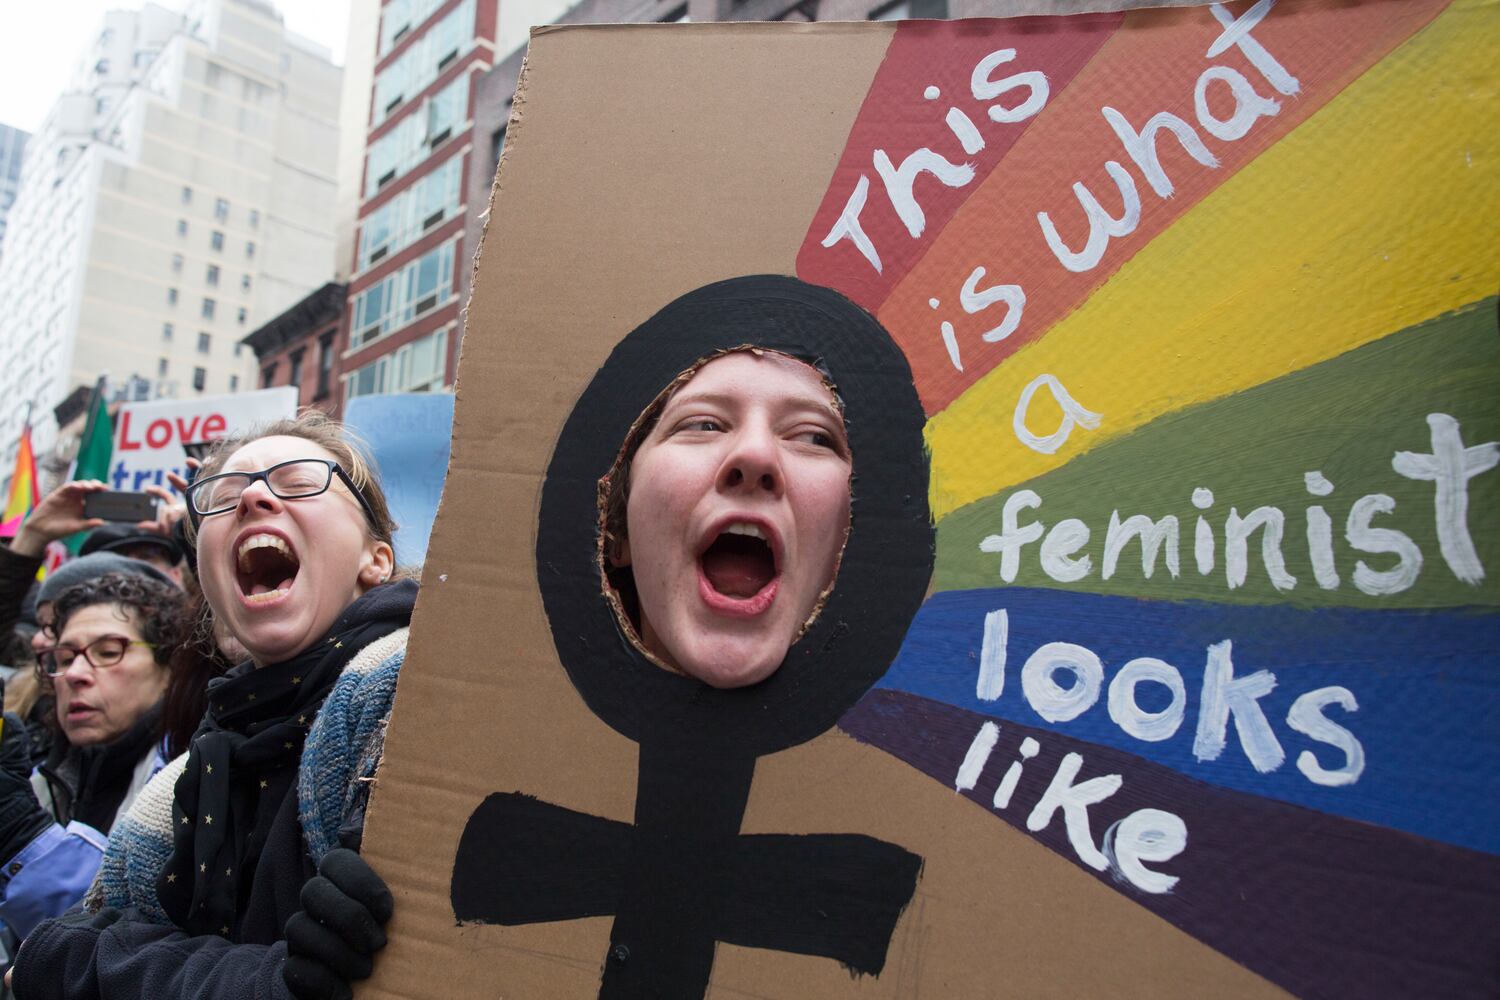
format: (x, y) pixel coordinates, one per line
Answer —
(266, 567)
(739, 569)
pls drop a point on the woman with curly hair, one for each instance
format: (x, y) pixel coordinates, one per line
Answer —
(107, 672)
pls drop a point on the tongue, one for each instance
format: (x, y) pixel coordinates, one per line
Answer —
(736, 573)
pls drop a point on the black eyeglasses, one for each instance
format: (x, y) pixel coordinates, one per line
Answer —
(105, 651)
(295, 480)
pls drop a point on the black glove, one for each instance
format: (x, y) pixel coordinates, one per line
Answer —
(333, 939)
(22, 819)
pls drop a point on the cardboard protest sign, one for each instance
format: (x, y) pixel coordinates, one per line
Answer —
(1161, 658)
(149, 437)
(407, 435)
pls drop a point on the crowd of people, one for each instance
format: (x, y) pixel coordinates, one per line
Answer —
(195, 706)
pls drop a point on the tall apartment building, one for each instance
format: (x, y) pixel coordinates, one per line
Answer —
(410, 253)
(12, 147)
(180, 191)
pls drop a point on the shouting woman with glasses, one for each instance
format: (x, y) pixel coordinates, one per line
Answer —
(107, 673)
(236, 874)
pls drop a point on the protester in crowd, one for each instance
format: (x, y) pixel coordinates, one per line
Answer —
(107, 674)
(156, 545)
(726, 515)
(294, 553)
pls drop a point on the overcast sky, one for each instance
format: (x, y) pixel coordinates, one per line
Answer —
(41, 39)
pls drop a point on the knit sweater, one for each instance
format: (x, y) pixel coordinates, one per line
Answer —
(339, 758)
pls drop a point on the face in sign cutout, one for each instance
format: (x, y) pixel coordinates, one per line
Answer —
(738, 508)
(725, 518)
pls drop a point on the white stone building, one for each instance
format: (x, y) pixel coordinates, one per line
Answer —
(181, 191)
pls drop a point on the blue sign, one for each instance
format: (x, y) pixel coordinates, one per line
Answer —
(408, 437)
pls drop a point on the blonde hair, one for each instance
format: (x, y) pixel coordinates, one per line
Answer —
(317, 427)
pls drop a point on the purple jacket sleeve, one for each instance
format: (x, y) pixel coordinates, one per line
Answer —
(49, 875)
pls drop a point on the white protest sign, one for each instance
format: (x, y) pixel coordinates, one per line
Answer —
(149, 437)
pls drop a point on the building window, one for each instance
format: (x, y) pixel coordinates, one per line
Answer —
(205, 342)
(234, 383)
(216, 240)
(166, 331)
(268, 376)
(187, 196)
(212, 275)
(177, 263)
(295, 378)
(414, 137)
(200, 378)
(171, 296)
(416, 367)
(412, 213)
(497, 143)
(161, 366)
(208, 308)
(398, 298)
(242, 315)
(423, 61)
(255, 217)
(239, 348)
(181, 227)
(325, 364)
(249, 250)
(221, 210)
(244, 282)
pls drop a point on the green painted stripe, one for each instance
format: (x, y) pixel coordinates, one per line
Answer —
(1345, 418)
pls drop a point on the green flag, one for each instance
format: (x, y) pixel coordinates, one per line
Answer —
(95, 448)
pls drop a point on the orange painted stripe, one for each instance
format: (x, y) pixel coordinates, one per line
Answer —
(1151, 64)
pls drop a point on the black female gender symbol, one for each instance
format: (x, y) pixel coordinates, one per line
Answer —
(682, 877)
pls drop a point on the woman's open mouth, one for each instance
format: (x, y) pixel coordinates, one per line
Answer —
(266, 567)
(737, 573)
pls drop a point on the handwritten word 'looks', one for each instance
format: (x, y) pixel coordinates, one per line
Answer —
(1449, 467)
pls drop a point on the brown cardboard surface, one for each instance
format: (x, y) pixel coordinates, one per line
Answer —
(642, 162)
(583, 250)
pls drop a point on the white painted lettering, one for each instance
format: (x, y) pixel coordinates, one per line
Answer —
(1364, 538)
(1225, 695)
(1142, 145)
(899, 182)
(1073, 414)
(991, 683)
(1074, 801)
(1306, 717)
(1066, 537)
(1047, 699)
(1248, 105)
(1153, 535)
(1011, 538)
(1146, 835)
(1449, 468)
(1152, 727)
(1102, 226)
(1237, 531)
(847, 226)
(985, 89)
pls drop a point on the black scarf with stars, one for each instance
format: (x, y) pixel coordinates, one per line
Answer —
(242, 763)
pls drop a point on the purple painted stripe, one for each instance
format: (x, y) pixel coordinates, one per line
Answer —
(1321, 905)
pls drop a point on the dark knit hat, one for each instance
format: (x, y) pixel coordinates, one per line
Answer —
(87, 567)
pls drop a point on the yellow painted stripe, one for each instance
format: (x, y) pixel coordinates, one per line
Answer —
(1379, 212)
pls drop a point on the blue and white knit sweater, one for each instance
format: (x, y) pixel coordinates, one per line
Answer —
(342, 750)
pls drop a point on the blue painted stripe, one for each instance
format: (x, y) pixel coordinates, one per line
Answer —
(1427, 686)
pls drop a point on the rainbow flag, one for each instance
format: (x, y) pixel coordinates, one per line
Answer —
(23, 494)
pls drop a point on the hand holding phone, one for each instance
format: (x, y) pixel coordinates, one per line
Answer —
(120, 505)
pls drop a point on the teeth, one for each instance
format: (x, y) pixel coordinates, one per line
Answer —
(744, 528)
(263, 542)
(269, 595)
